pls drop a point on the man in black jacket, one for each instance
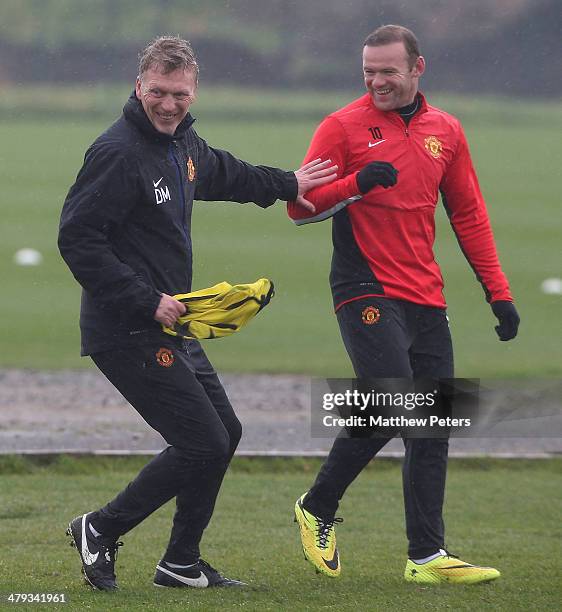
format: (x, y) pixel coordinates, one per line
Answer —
(125, 235)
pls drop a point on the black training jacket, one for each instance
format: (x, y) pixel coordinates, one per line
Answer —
(125, 228)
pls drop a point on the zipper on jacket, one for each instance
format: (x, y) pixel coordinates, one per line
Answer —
(395, 118)
(180, 183)
(409, 125)
(406, 126)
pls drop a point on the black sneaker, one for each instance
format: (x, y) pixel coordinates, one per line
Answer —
(199, 575)
(97, 554)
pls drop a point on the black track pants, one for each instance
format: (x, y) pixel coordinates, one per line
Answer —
(393, 339)
(176, 391)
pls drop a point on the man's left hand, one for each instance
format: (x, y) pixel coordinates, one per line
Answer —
(507, 315)
(311, 175)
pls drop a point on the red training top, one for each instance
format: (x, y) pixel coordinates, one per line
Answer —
(383, 240)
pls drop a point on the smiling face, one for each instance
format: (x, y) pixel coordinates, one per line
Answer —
(166, 97)
(389, 76)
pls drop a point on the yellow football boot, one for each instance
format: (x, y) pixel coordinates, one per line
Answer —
(318, 539)
(448, 569)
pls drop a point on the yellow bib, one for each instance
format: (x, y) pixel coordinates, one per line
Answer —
(220, 310)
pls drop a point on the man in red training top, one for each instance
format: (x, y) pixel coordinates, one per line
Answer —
(395, 153)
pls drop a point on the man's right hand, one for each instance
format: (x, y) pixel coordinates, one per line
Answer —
(169, 310)
(376, 173)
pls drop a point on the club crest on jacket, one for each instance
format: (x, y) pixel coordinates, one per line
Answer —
(190, 170)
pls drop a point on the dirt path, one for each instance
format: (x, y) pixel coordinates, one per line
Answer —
(80, 411)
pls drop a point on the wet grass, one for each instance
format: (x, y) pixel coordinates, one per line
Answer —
(498, 512)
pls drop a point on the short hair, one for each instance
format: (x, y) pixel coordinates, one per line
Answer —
(168, 53)
(388, 34)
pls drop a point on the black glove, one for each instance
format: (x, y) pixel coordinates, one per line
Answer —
(376, 173)
(506, 313)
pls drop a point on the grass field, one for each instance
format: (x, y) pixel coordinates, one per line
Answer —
(252, 537)
(516, 150)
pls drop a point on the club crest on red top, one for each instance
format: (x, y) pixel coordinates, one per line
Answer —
(434, 146)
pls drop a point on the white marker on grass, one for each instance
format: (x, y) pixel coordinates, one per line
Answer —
(552, 286)
(28, 257)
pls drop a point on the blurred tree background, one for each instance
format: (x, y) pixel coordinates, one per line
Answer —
(496, 46)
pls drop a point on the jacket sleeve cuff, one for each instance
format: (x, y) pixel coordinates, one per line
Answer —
(148, 306)
(288, 189)
(292, 187)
